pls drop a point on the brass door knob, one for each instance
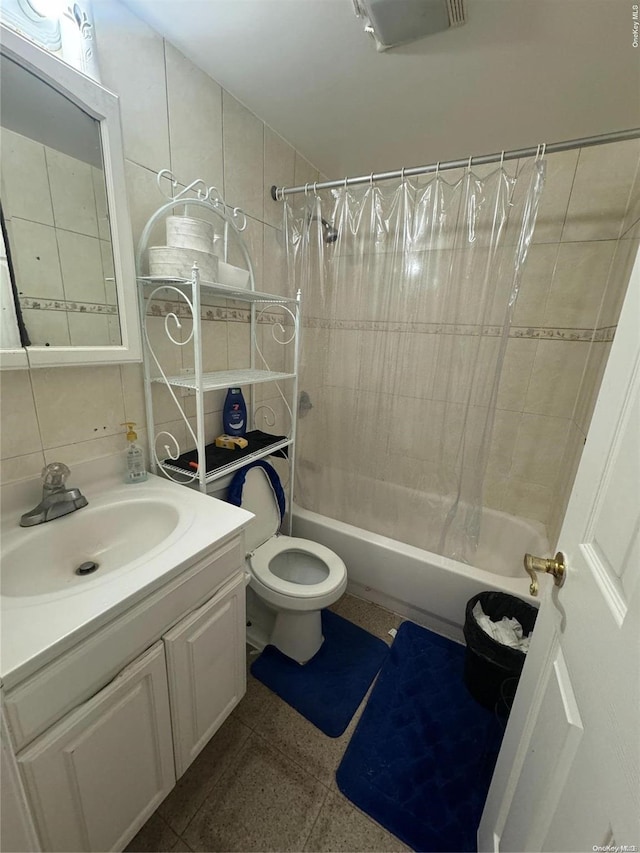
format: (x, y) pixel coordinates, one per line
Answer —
(555, 566)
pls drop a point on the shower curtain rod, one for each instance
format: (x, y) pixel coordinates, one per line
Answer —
(278, 193)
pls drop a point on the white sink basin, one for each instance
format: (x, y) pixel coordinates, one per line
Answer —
(141, 536)
(44, 559)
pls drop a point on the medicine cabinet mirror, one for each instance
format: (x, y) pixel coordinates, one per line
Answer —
(68, 236)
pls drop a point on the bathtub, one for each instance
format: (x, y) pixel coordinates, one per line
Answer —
(427, 588)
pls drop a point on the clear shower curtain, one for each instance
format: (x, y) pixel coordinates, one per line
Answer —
(406, 316)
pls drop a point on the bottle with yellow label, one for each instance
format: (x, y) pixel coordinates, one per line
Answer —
(136, 471)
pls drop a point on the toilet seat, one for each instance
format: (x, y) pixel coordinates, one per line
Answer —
(261, 566)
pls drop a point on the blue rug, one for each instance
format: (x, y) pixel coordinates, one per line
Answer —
(421, 758)
(328, 689)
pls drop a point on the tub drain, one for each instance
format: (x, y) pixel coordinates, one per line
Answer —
(87, 568)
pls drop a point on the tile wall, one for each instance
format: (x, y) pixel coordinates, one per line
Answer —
(584, 246)
(173, 116)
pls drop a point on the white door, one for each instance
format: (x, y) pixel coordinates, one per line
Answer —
(207, 669)
(96, 776)
(568, 774)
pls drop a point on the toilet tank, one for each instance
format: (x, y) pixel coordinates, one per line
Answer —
(218, 489)
(259, 498)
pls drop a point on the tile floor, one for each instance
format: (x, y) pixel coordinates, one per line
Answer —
(266, 780)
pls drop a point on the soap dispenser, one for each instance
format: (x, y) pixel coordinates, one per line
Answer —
(135, 471)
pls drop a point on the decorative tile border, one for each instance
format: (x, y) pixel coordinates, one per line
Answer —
(556, 334)
(606, 333)
(207, 312)
(530, 332)
(28, 302)
(220, 313)
(230, 314)
(226, 313)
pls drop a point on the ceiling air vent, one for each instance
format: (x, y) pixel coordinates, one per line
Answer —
(455, 8)
(395, 22)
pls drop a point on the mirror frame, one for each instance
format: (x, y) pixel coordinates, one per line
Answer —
(104, 107)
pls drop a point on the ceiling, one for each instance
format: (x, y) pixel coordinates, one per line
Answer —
(33, 108)
(517, 73)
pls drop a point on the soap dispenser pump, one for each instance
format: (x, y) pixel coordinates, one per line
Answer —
(136, 471)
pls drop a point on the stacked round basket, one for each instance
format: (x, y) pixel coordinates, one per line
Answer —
(191, 241)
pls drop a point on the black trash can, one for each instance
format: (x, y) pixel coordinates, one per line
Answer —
(491, 669)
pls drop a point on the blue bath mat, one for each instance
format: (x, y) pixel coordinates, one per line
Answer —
(421, 758)
(328, 689)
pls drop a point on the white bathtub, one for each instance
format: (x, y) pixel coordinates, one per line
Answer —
(429, 589)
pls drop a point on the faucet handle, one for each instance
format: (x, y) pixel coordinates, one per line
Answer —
(54, 475)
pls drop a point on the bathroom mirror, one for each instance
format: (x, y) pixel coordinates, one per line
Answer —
(67, 228)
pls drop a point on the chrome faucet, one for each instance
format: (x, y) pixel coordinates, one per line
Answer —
(57, 500)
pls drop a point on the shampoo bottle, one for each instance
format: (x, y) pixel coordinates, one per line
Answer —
(136, 471)
(234, 413)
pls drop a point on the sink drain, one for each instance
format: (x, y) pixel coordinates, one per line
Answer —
(87, 568)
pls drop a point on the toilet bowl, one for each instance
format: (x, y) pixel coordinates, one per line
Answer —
(292, 578)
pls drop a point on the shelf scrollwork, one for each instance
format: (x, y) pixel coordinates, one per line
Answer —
(171, 453)
(170, 316)
(199, 190)
(277, 327)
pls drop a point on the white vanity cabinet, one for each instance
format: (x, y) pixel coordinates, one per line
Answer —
(101, 733)
(207, 670)
(99, 773)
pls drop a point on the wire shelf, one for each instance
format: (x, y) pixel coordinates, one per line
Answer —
(222, 290)
(225, 379)
(230, 467)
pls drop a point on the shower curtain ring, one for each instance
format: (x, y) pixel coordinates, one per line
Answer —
(544, 148)
(315, 188)
(371, 180)
(402, 175)
(437, 169)
(469, 164)
(502, 159)
(306, 189)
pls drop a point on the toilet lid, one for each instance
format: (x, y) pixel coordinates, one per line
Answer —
(259, 498)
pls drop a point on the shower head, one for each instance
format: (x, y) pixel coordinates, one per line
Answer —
(330, 233)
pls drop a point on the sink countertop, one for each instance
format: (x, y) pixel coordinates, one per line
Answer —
(35, 629)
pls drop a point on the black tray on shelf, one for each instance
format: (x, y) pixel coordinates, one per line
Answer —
(217, 457)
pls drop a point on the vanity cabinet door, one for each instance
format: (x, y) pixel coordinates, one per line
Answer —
(96, 776)
(206, 665)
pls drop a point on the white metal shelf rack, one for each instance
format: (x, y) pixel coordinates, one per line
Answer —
(188, 294)
(225, 379)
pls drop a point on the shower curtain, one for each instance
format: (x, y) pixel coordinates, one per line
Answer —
(406, 317)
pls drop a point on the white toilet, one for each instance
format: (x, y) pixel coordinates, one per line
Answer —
(290, 579)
